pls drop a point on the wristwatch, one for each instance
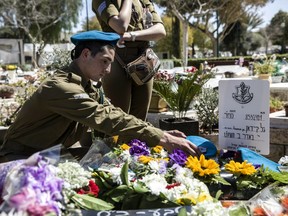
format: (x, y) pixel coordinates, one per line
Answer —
(133, 36)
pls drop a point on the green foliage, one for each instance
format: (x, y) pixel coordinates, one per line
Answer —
(266, 67)
(278, 30)
(180, 92)
(276, 103)
(84, 201)
(127, 197)
(206, 109)
(57, 59)
(23, 91)
(44, 19)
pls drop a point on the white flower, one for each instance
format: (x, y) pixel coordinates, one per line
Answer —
(74, 174)
(125, 156)
(174, 193)
(208, 208)
(158, 166)
(115, 175)
(163, 153)
(185, 176)
(156, 183)
(182, 172)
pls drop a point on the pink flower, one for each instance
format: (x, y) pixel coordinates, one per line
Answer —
(26, 194)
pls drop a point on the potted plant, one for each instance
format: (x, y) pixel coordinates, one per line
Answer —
(179, 91)
(264, 66)
(206, 107)
(275, 104)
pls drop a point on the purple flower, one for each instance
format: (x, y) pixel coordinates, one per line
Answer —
(178, 156)
(138, 148)
(163, 167)
(38, 190)
(4, 169)
(257, 166)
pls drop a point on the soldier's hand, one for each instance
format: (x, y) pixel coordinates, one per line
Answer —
(170, 142)
(177, 133)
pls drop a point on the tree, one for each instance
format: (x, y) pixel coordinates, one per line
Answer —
(40, 20)
(184, 11)
(240, 39)
(278, 30)
(175, 37)
(211, 16)
(93, 24)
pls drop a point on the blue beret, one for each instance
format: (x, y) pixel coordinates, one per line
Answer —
(109, 37)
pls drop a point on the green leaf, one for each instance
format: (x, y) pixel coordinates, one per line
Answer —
(241, 210)
(281, 177)
(218, 194)
(91, 203)
(102, 181)
(124, 174)
(131, 201)
(182, 212)
(118, 194)
(151, 197)
(180, 92)
(219, 179)
(140, 188)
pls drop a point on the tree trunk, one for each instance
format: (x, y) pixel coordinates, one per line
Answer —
(176, 37)
(185, 40)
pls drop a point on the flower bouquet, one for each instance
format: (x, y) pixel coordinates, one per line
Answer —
(149, 178)
(127, 178)
(246, 179)
(44, 185)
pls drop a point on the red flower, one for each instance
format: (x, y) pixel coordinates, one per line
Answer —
(92, 189)
(284, 202)
(172, 185)
(258, 211)
(192, 69)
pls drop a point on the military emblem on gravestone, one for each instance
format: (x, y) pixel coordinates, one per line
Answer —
(242, 95)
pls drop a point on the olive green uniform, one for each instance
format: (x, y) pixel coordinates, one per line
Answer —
(61, 110)
(120, 88)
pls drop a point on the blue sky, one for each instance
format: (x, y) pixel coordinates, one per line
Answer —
(267, 12)
(271, 9)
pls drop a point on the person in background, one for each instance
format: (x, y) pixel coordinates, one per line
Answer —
(70, 101)
(138, 24)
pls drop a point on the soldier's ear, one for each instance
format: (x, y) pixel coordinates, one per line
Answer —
(86, 52)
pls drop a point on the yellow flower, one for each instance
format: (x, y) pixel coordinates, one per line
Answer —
(124, 147)
(202, 166)
(157, 149)
(115, 139)
(144, 159)
(189, 199)
(244, 168)
(165, 159)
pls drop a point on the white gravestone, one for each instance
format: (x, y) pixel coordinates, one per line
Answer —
(244, 115)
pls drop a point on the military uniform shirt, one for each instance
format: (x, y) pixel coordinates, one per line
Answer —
(109, 8)
(61, 110)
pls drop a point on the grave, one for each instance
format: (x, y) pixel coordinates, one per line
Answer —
(278, 122)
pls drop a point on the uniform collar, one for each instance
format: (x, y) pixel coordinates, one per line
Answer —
(73, 67)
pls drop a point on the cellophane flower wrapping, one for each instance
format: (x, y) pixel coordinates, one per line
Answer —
(128, 176)
(147, 177)
(272, 200)
(42, 184)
